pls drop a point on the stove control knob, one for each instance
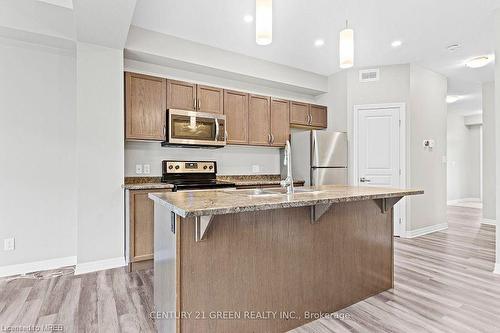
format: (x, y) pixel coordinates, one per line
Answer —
(211, 167)
(170, 167)
(205, 167)
(176, 167)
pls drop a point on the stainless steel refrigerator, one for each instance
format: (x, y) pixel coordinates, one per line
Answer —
(328, 158)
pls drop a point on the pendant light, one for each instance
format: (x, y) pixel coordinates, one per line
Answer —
(263, 22)
(346, 47)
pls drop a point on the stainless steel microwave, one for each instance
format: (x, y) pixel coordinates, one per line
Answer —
(199, 129)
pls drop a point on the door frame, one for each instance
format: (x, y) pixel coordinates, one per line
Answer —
(353, 127)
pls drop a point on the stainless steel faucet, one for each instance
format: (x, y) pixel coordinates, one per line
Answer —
(287, 161)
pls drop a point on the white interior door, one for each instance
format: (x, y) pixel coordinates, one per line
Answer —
(378, 151)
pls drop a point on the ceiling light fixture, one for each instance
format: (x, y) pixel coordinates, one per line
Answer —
(248, 18)
(478, 61)
(396, 43)
(346, 47)
(263, 22)
(319, 42)
(452, 99)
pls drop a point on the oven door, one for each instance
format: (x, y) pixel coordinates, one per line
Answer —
(196, 128)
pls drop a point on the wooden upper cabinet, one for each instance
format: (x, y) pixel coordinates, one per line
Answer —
(145, 107)
(299, 113)
(259, 120)
(236, 111)
(319, 116)
(280, 121)
(210, 99)
(181, 95)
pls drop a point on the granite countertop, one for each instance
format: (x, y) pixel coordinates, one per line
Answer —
(188, 204)
(145, 183)
(151, 183)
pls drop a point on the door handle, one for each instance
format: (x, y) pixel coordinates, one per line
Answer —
(216, 129)
(364, 180)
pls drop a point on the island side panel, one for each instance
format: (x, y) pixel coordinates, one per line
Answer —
(165, 270)
(276, 260)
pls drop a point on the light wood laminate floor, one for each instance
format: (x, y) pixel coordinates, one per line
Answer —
(443, 283)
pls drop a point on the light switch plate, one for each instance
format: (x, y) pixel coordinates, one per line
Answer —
(138, 169)
(9, 244)
(256, 168)
(147, 169)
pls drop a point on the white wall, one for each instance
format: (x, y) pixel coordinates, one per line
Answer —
(37, 160)
(489, 175)
(100, 152)
(232, 160)
(463, 159)
(426, 119)
(497, 129)
(393, 87)
(423, 92)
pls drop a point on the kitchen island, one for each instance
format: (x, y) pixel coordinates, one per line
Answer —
(267, 261)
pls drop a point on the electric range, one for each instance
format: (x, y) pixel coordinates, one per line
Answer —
(192, 175)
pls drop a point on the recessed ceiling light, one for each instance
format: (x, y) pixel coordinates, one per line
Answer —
(248, 18)
(319, 42)
(452, 99)
(478, 61)
(396, 43)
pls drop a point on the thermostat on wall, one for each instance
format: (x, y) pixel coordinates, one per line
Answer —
(429, 144)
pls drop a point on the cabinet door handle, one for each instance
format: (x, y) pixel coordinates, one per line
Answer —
(164, 131)
(307, 118)
(272, 138)
(199, 103)
(269, 138)
(310, 119)
(194, 103)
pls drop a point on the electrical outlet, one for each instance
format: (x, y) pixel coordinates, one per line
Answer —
(138, 169)
(147, 169)
(255, 168)
(9, 244)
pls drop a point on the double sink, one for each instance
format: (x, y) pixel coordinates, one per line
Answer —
(275, 191)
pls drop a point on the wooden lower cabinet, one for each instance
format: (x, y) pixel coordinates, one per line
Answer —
(141, 229)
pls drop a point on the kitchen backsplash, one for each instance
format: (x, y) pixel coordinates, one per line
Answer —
(231, 160)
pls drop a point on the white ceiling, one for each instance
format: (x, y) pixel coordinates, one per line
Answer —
(426, 28)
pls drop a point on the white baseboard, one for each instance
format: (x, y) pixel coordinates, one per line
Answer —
(451, 202)
(37, 266)
(497, 268)
(488, 221)
(426, 230)
(99, 265)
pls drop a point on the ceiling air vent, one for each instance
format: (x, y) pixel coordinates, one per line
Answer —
(369, 75)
